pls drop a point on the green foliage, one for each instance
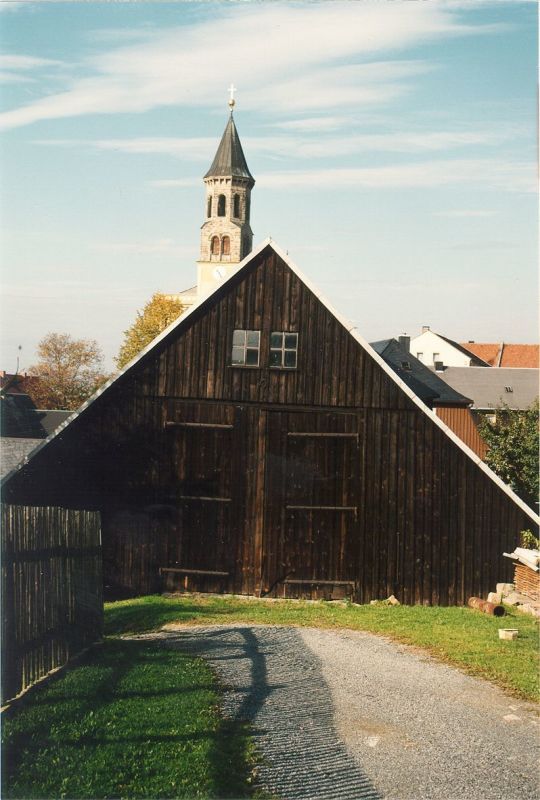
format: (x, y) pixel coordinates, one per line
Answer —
(134, 720)
(528, 540)
(459, 636)
(157, 315)
(513, 450)
(69, 371)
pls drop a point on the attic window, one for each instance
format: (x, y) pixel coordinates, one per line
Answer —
(221, 206)
(508, 389)
(283, 349)
(406, 365)
(245, 349)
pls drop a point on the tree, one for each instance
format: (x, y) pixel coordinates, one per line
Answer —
(68, 371)
(157, 315)
(513, 450)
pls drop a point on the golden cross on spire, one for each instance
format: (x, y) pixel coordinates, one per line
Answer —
(232, 90)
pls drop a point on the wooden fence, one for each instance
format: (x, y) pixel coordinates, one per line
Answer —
(52, 604)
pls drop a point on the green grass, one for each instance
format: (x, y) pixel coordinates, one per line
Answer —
(460, 636)
(134, 720)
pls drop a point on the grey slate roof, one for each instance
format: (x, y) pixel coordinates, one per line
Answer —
(13, 451)
(423, 381)
(487, 387)
(20, 418)
(229, 160)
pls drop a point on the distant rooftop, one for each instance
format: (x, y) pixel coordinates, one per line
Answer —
(490, 388)
(426, 385)
(525, 356)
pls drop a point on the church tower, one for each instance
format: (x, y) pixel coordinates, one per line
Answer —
(226, 235)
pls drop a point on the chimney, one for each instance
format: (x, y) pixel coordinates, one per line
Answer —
(405, 342)
(425, 328)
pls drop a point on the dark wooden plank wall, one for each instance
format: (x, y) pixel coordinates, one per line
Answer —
(428, 525)
(52, 605)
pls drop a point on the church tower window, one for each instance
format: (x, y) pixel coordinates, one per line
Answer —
(214, 249)
(237, 206)
(221, 205)
(209, 207)
(226, 246)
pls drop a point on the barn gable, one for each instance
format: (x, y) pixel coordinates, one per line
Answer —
(322, 474)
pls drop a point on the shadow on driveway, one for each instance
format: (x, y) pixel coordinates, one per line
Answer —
(274, 682)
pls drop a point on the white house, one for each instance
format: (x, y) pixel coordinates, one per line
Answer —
(434, 350)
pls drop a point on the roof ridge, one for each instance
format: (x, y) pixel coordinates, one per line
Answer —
(349, 327)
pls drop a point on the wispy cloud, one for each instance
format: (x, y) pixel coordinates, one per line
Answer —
(175, 183)
(175, 66)
(15, 77)
(158, 247)
(301, 146)
(513, 177)
(510, 177)
(313, 124)
(464, 213)
(26, 62)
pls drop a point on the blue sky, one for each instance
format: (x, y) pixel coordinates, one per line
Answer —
(393, 145)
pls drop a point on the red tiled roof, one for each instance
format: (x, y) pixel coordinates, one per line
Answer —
(526, 356)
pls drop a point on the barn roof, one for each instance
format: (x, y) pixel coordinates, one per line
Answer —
(229, 160)
(206, 300)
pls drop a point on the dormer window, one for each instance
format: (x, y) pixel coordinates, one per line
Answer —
(245, 349)
(209, 207)
(214, 247)
(221, 205)
(283, 349)
(236, 206)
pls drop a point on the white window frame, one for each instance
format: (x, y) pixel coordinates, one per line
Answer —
(242, 345)
(283, 349)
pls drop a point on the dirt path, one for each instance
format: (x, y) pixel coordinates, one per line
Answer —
(346, 715)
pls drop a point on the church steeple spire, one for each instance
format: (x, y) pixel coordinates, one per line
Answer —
(226, 235)
(229, 159)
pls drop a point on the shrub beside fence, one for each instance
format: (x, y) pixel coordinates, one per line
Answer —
(52, 590)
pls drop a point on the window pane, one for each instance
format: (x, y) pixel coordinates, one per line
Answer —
(239, 338)
(252, 338)
(276, 340)
(252, 357)
(238, 355)
(275, 358)
(290, 358)
(291, 341)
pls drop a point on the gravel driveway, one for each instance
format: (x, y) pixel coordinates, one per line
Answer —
(343, 715)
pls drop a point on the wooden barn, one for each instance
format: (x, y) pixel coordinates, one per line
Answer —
(260, 446)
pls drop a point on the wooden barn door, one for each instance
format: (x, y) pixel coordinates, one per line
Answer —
(206, 450)
(311, 505)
